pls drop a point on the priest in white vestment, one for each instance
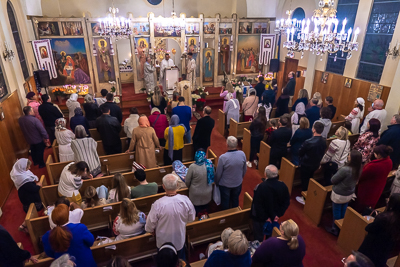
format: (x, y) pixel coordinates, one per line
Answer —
(185, 89)
(191, 70)
(165, 63)
(149, 75)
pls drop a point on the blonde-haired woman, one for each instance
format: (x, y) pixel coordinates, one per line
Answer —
(130, 221)
(238, 254)
(225, 90)
(336, 155)
(158, 101)
(288, 249)
(220, 245)
(301, 98)
(317, 95)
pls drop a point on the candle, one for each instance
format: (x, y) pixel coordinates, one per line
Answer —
(277, 23)
(336, 25)
(344, 25)
(288, 35)
(303, 23)
(348, 34)
(356, 35)
(292, 33)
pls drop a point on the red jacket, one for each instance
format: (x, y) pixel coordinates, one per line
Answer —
(161, 125)
(372, 182)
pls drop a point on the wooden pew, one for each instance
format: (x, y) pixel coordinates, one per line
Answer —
(287, 173)
(353, 139)
(113, 163)
(94, 218)
(334, 127)
(236, 128)
(49, 194)
(315, 200)
(96, 135)
(100, 148)
(199, 232)
(263, 157)
(352, 231)
(221, 122)
(246, 143)
(198, 263)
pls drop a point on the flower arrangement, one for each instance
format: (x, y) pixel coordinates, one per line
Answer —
(200, 103)
(202, 92)
(113, 83)
(59, 91)
(194, 98)
(149, 95)
(238, 89)
(117, 100)
(83, 89)
(69, 89)
(243, 78)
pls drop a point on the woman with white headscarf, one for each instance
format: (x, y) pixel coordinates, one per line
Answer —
(225, 90)
(232, 108)
(356, 115)
(72, 103)
(28, 189)
(300, 111)
(64, 138)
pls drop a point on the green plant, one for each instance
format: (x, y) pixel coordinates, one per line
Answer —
(113, 89)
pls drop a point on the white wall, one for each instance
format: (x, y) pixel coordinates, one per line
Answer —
(138, 8)
(124, 50)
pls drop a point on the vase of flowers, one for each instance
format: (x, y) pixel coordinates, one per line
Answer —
(200, 103)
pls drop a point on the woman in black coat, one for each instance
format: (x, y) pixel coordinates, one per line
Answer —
(282, 103)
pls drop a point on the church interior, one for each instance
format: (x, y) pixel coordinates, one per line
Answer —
(343, 49)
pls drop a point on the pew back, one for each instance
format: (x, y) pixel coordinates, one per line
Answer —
(263, 157)
(246, 143)
(287, 173)
(221, 122)
(96, 135)
(315, 200)
(334, 127)
(236, 128)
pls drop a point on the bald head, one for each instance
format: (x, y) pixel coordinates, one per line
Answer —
(271, 171)
(207, 110)
(378, 103)
(170, 182)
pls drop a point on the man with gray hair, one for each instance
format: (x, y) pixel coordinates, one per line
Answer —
(230, 173)
(390, 137)
(376, 111)
(169, 215)
(271, 200)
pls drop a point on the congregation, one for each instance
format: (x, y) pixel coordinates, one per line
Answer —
(295, 130)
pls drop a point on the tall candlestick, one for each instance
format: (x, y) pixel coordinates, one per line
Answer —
(344, 25)
(349, 34)
(356, 35)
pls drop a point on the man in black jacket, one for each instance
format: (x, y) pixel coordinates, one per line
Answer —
(271, 200)
(202, 132)
(279, 140)
(109, 129)
(115, 110)
(49, 113)
(291, 86)
(311, 153)
(390, 137)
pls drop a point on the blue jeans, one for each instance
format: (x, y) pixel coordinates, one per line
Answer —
(188, 136)
(339, 210)
(102, 191)
(229, 196)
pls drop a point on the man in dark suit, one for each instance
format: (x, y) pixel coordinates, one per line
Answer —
(109, 129)
(115, 110)
(279, 140)
(390, 137)
(49, 113)
(291, 86)
(202, 132)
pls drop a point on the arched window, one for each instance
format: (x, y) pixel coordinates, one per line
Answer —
(17, 39)
(299, 14)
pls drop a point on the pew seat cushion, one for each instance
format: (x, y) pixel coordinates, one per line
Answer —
(222, 258)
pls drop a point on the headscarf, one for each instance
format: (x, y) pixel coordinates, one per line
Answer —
(200, 159)
(172, 123)
(229, 97)
(78, 112)
(30, 95)
(180, 169)
(74, 97)
(155, 110)
(20, 175)
(143, 122)
(60, 124)
(89, 98)
(361, 101)
(300, 110)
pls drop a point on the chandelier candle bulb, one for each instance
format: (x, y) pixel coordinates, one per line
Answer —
(344, 25)
(336, 25)
(356, 35)
(349, 34)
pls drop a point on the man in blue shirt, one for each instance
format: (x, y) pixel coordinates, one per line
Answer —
(313, 112)
(185, 115)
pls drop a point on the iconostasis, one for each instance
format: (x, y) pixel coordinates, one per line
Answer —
(219, 45)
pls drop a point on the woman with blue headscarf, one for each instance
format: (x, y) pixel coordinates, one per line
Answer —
(174, 141)
(199, 179)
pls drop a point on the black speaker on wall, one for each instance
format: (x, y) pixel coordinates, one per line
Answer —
(43, 77)
(274, 65)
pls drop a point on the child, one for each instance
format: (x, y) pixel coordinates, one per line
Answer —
(329, 101)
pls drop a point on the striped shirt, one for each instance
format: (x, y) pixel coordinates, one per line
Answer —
(85, 149)
(69, 183)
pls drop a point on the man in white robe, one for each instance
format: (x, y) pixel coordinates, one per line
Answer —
(191, 70)
(149, 75)
(165, 63)
(185, 89)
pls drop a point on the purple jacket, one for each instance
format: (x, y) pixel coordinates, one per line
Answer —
(32, 129)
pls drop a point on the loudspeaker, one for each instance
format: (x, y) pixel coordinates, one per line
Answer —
(43, 77)
(274, 65)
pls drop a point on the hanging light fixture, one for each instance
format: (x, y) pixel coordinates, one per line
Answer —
(324, 38)
(113, 26)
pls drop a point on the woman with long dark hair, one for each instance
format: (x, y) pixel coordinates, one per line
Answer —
(344, 185)
(72, 238)
(367, 141)
(121, 189)
(257, 130)
(383, 233)
(373, 178)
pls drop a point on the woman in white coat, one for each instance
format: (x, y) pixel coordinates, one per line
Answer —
(356, 115)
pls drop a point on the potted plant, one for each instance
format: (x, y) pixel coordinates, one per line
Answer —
(113, 89)
(59, 93)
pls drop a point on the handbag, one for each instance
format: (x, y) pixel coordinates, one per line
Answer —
(216, 195)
